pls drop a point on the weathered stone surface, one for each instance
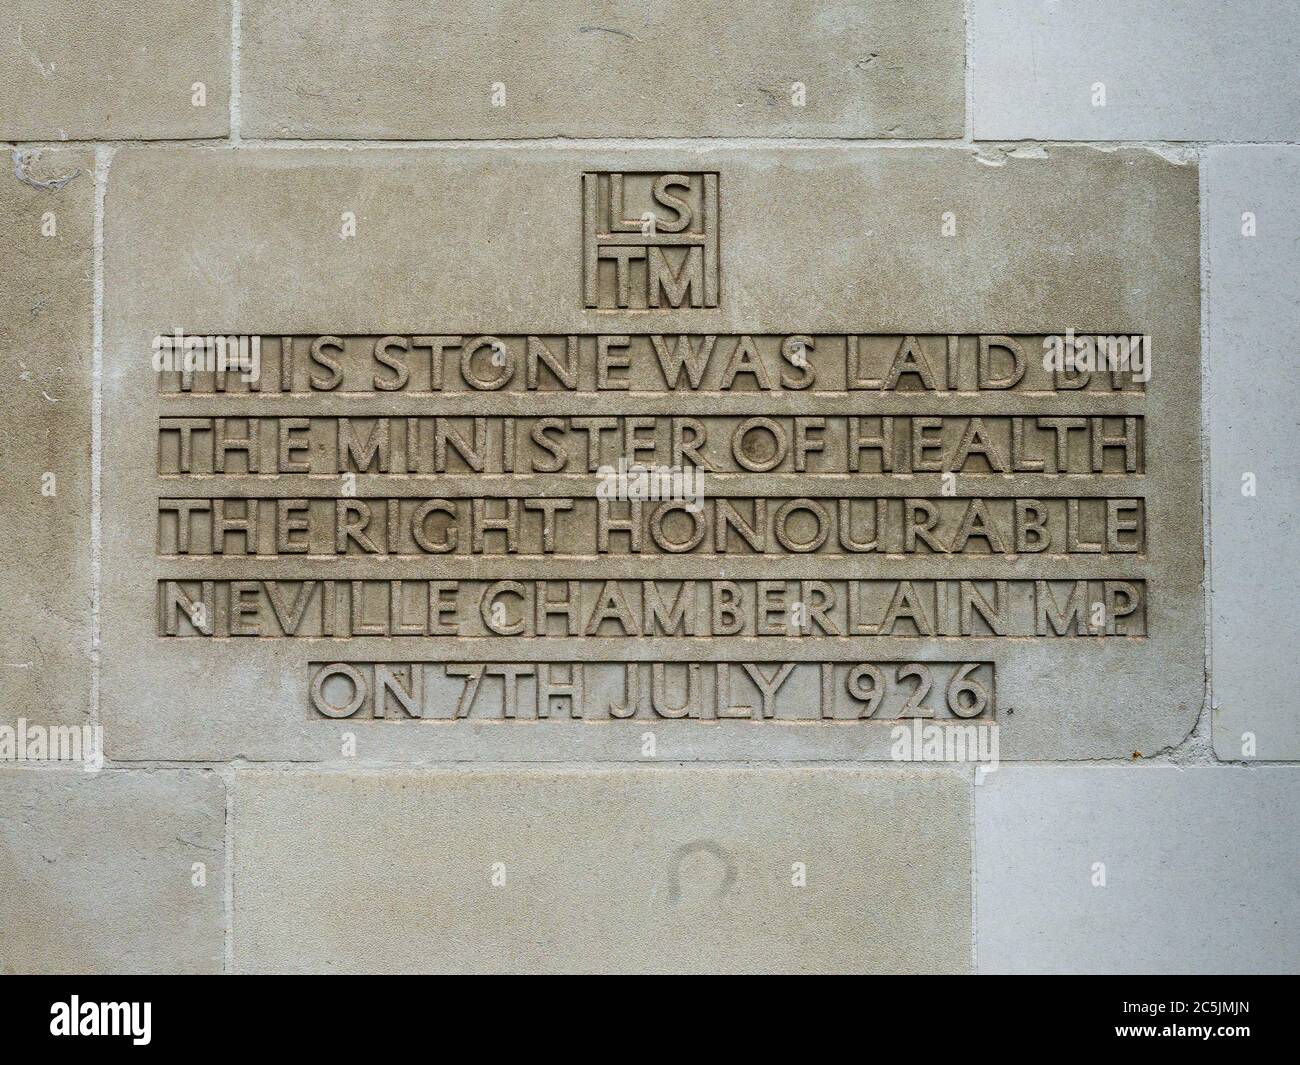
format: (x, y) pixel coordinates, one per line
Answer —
(100, 71)
(46, 319)
(1190, 71)
(1252, 196)
(628, 870)
(99, 871)
(819, 243)
(406, 69)
(1199, 870)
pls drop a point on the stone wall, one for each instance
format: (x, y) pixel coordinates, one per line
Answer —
(893, 167)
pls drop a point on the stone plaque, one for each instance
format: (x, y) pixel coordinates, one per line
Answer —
(688, 454)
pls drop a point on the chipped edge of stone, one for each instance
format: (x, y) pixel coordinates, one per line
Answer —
(998, 153)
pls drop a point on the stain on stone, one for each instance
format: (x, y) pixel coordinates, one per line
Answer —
(23, 161)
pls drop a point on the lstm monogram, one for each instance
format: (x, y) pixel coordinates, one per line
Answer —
(650, 240)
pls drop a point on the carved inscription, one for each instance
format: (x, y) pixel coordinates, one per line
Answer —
(771, 364)
(978, 445)
(891, 474)
(620, 608)
(772, 526)
(694, 690)
(655, 235)
(568, 525)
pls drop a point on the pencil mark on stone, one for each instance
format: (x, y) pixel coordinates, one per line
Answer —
(607, 29)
